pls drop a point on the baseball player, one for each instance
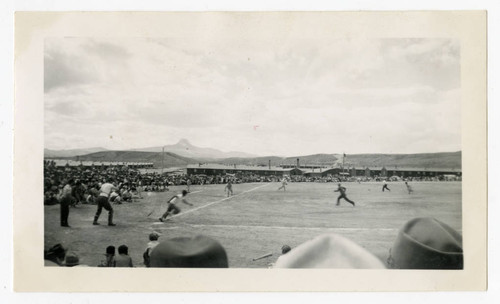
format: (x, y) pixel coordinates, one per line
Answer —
(283, 184)
(408, 187)
(342, 191)
(172, 208)
(385, 187)
(229, 188)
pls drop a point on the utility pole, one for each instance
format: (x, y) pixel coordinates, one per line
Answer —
(343, 166)
(162, 158)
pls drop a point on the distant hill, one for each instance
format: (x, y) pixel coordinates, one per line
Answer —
(169, 159)
(440, 160)
(316, 159)
(186, 149)
(48, 153)
(437, 160)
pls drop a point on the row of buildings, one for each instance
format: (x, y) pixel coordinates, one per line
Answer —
(318, 171)
(98, 164)
(288, 170)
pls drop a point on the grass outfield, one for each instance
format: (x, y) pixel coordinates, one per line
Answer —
(258, 219)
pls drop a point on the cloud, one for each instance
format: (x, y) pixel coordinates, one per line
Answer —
(307, 96)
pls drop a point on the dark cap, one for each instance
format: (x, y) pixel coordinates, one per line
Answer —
(426, 243)
(196, 252)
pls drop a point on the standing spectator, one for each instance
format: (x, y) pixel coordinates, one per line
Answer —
(66, 200)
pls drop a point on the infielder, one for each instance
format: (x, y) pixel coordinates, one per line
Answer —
(229, 188)
(283, 184)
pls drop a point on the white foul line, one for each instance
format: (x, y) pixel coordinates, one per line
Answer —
(293, 227)
(216, 202)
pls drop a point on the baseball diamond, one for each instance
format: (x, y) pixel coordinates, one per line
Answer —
(258, 220)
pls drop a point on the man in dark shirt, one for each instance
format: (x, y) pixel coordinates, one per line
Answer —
(342, 191)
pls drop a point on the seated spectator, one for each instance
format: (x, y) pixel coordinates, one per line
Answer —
(127, 195)
(153, 242)
(329, 251)
(189, 252)
(123, 259)
(55, 255)
(426, 243)
(110, 257)
(115, 198)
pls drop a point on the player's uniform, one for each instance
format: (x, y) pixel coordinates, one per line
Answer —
(283, 185)
(229, 188)
(408, 187)
(103, 202)
(385, 187)
(172, 207)
(342, 191)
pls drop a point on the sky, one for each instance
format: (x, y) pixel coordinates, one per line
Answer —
(286, 97)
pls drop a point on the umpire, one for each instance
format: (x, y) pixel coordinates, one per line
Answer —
(103, 202)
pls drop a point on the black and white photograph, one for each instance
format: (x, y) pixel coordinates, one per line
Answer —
(252, 141)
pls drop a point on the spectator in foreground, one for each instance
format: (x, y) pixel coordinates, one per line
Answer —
(123, 259)
(153, 242)
(426, 243)
(329, 251)
(72, 260)
(110, 257)
(189, 252)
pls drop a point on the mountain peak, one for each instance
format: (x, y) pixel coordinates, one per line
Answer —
(184, 142)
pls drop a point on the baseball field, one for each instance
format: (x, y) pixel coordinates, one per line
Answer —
(258, 219)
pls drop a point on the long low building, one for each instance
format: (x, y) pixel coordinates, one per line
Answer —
(74, 163)
(385, 171)
(220, 169)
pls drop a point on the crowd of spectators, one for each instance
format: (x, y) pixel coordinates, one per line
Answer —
(131, 182)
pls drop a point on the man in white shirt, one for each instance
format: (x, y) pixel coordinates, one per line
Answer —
(66, 199)
(172, 208)
(103, 202)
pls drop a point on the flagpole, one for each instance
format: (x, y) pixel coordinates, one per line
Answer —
(343, 165)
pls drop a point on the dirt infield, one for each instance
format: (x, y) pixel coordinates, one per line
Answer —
(258, 219)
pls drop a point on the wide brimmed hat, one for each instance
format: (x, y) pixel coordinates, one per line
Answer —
(198, 252)
(57, 250)
(426, 243)
(71, 259)
(329, 251)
